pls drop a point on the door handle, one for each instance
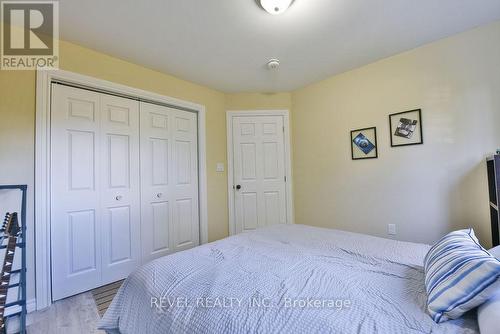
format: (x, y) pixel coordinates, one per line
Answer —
(119, 197)
(238, 187)
(159, 195)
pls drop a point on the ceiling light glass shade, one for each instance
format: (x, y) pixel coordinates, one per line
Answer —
(275, 7)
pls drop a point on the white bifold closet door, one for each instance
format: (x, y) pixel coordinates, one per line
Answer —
(95, 196)
(120, 187)
(124, 186)
(169, 165)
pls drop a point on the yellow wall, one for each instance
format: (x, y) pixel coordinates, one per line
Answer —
(427, 190)
(256, 101)
(17, 144)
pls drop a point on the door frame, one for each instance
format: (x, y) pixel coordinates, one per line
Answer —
(288, 161)
(44, 80)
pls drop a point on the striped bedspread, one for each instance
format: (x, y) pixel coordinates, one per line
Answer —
(282, 279)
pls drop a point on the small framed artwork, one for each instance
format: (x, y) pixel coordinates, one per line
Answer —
(364, 144)
(406, 128)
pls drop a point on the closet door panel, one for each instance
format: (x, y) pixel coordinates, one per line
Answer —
(120, 187)
(169, 151)
(161, 224)
(185, 175)
(156, 176)
(75, 194)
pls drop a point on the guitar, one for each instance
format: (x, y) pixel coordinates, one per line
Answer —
(11, 230)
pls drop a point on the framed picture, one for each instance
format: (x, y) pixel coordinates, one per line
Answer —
(406, 128)
(364, 144)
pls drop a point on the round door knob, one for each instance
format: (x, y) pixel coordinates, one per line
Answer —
(238, 187)
(119, 197)
(159, 195)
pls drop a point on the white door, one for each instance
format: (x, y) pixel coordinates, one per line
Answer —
(169, 177)
(75, 193)
(259, 171)
(95, 231)
(186, 227)
(120, 187)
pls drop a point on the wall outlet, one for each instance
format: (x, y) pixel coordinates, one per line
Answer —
(220, 167)
(391, 229)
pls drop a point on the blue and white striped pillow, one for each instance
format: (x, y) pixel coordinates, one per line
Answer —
(459, 275)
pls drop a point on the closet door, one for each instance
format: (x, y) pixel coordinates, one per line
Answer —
(185, 181)
(156, 180)
(95, 191)
(75, 192)
(169, 180)
(120, 187)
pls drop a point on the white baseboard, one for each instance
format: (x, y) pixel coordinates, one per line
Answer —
(13, 323)
(30, 307)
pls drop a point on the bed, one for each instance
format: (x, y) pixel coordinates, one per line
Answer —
(282, 279)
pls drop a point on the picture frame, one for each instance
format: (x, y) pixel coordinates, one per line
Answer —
(364, 143)
(406, 128)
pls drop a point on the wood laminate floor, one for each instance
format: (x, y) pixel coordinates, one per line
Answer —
(74, 315)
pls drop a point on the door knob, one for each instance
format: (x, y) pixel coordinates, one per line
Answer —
(159, 195)
(238, 187)
(119, 197)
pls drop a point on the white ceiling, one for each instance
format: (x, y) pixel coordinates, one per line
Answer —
(225, 44)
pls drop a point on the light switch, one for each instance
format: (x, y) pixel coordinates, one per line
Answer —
(391, 229)
(220, 167)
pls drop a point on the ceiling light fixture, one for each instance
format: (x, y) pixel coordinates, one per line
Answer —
(273, 64)
(275, 7)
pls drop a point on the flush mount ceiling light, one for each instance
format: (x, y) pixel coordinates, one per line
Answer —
(275, 7)
(273, 64)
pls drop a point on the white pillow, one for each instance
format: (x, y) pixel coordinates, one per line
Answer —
(488, 315)
(495, 251)
(459, 275)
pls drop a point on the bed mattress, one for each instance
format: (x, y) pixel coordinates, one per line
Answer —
(282, 279)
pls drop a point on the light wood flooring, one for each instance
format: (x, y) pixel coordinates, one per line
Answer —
(74, 315)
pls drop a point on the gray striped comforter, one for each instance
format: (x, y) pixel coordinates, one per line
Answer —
(282, 279)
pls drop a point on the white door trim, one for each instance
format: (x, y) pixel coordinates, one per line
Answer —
(44, 80)
(230, 171)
